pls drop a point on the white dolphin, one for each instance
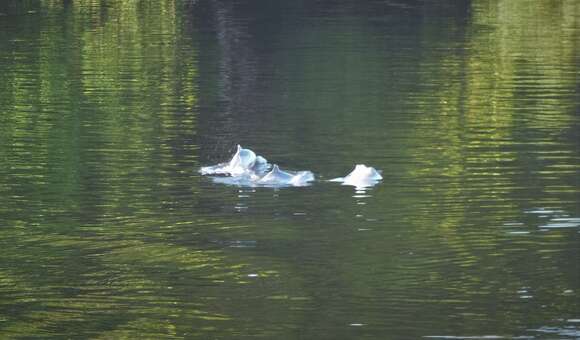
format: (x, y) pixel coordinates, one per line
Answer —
(361, 177)
(279, 177)
(244, 162)
(248, 169)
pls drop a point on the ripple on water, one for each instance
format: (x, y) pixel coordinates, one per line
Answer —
(565, 332)
(562, 222)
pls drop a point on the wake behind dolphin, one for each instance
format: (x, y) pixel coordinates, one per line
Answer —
(248, 169)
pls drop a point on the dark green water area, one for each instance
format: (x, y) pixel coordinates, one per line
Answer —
(471, 109)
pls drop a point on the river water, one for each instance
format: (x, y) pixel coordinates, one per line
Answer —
(471, 109)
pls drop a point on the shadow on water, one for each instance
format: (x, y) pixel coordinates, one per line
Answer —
(109, 108)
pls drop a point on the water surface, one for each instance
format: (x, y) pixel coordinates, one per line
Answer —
(109, 108)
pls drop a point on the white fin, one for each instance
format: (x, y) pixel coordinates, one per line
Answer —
(361, 177)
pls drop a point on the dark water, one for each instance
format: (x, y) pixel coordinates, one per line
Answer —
(470, 108)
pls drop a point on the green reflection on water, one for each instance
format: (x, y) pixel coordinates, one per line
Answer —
(93, 95)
